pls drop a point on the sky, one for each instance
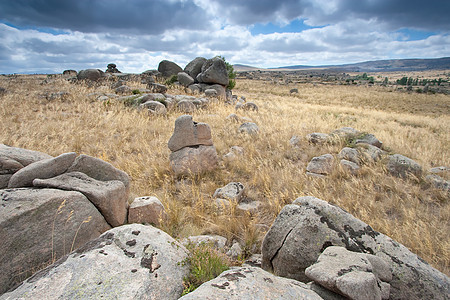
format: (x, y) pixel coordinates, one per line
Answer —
(49, 36)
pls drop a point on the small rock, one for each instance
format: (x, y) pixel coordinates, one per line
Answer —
(294, 141)
(154, 107)
(249, 128)
(157, 88)
(438, 182)
(251, 207)
(369, 139)
(233, 191)
(193, 160)
(321, 164)
(400, 166)
(216, 241)
(210, 93)
(317, 138)
(146, 210)
(350, 154)
(235, 251)
(186, 106)
(292, 91)
(349, 166)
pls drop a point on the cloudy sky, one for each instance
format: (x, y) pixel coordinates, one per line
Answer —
(49, 36)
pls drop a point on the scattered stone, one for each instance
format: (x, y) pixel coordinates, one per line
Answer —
(321, 164)
(214, 71)
(369, 152)
(110, 197)
(146, 210)
(351, 274)
(44, 169)
(350, 154)
(246, 283)
(189, 133)
(435, 170)
(186, 106)
(221, 92)
(169, 68)
(39, 226)
(317, 138)
(249, 106)
(350, 166)
(124, 89)
(292, 91)
(107, 268)
(287, 251)
(234, 118)
(438, 182)
(157, 88)
(235, 152)
(402, 166)
(233, 191)
(344, 133)
(216, 241)
(154, 107)
(90, 74)
(184, 79)
(295, 141)
(112, 68)
(369, 139)
(210, 93)
(249, 128)
(251, 207)
(193, 160)
(235, 251)
(195, 67)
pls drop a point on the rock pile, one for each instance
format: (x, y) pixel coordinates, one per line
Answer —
(192, 147)
(112, 68)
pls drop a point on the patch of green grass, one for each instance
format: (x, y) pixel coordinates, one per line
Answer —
(205, 263)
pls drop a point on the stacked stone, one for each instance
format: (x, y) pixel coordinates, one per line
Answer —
(192, 147)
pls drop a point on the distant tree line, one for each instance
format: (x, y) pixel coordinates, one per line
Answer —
(416, 81)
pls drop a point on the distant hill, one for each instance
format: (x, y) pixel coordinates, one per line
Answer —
(391, 65)
(244, 68)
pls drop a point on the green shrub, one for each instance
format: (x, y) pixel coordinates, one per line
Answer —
(136, 92)
(231, 74)
(171, 80)
(205, 263)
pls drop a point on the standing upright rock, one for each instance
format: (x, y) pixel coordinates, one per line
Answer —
(192, 147)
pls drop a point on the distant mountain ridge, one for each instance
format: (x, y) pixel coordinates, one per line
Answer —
(390, 65)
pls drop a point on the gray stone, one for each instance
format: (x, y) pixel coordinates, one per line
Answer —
(292, 91)
(233, 191)
(189, 133)
(438, 182)
(305, 228)
(184, 79)
(235, 251)
(123, 89)
(402, 166)
(216, 241)
(214, 71)
(157, 87)
(195, 67)
(317, 138)
(195, 88)
(248, 283)
(210, 93)
(251, 207)
(350, 273)
(350, 154)
(235, 152)
(38, 226)
(99, 169)
(440, 170)
(234, 118)
(110, 197)
(369, 153)
(186, 106)
(344, 133)
(369, 139)
(321, 164)
(294, 141)
(154, 107)
(194, 160)
(4, 180)
(146, 210)
(350, 166)
(9, 165)
(249, 128)
(249, 106)
(22, 156)
(44, 169)
(90, 74)
(220, 89)
(128, 262)
(169, 68)
(153, 97)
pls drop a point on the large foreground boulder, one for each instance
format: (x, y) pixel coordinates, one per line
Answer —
(38, 226)
(128, 262)
(245, 283)
(304, 229)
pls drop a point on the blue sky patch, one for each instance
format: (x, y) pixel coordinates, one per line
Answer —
(409, 34)
(296, 25)
(40, 29)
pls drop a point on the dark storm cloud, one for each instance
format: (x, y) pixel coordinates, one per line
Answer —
(394, 14)
(128, 16)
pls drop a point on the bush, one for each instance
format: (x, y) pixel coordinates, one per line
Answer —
(171, 80)
(205, 263)
(231, 73)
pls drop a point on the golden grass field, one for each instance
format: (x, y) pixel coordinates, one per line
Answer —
(273, 172)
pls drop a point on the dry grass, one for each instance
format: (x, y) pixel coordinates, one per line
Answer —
(415, 125)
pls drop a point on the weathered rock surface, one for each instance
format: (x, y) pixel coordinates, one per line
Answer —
(438, 182)
(354, 275)
(99, 169)
(317, 138)
(216, 241)
(369, 153)
(157, 87)
(184, 79)
(194, 160)
(349, 166)
(40, 225)
(128, 262)
(214, 70)
(369, 139)
(44, 169)
(232, 191)
(22, 156)
(195, 67)
(146, 210)
(235, 152)
(245, 283)
(186, 106)
(249, 128)
(402, 166)
(90, 74)
(189, 133)
(321, 164)
(350, 154)
(110, 197)
(154, 107)
(307, 227)
(344, 133)
(169, 68)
